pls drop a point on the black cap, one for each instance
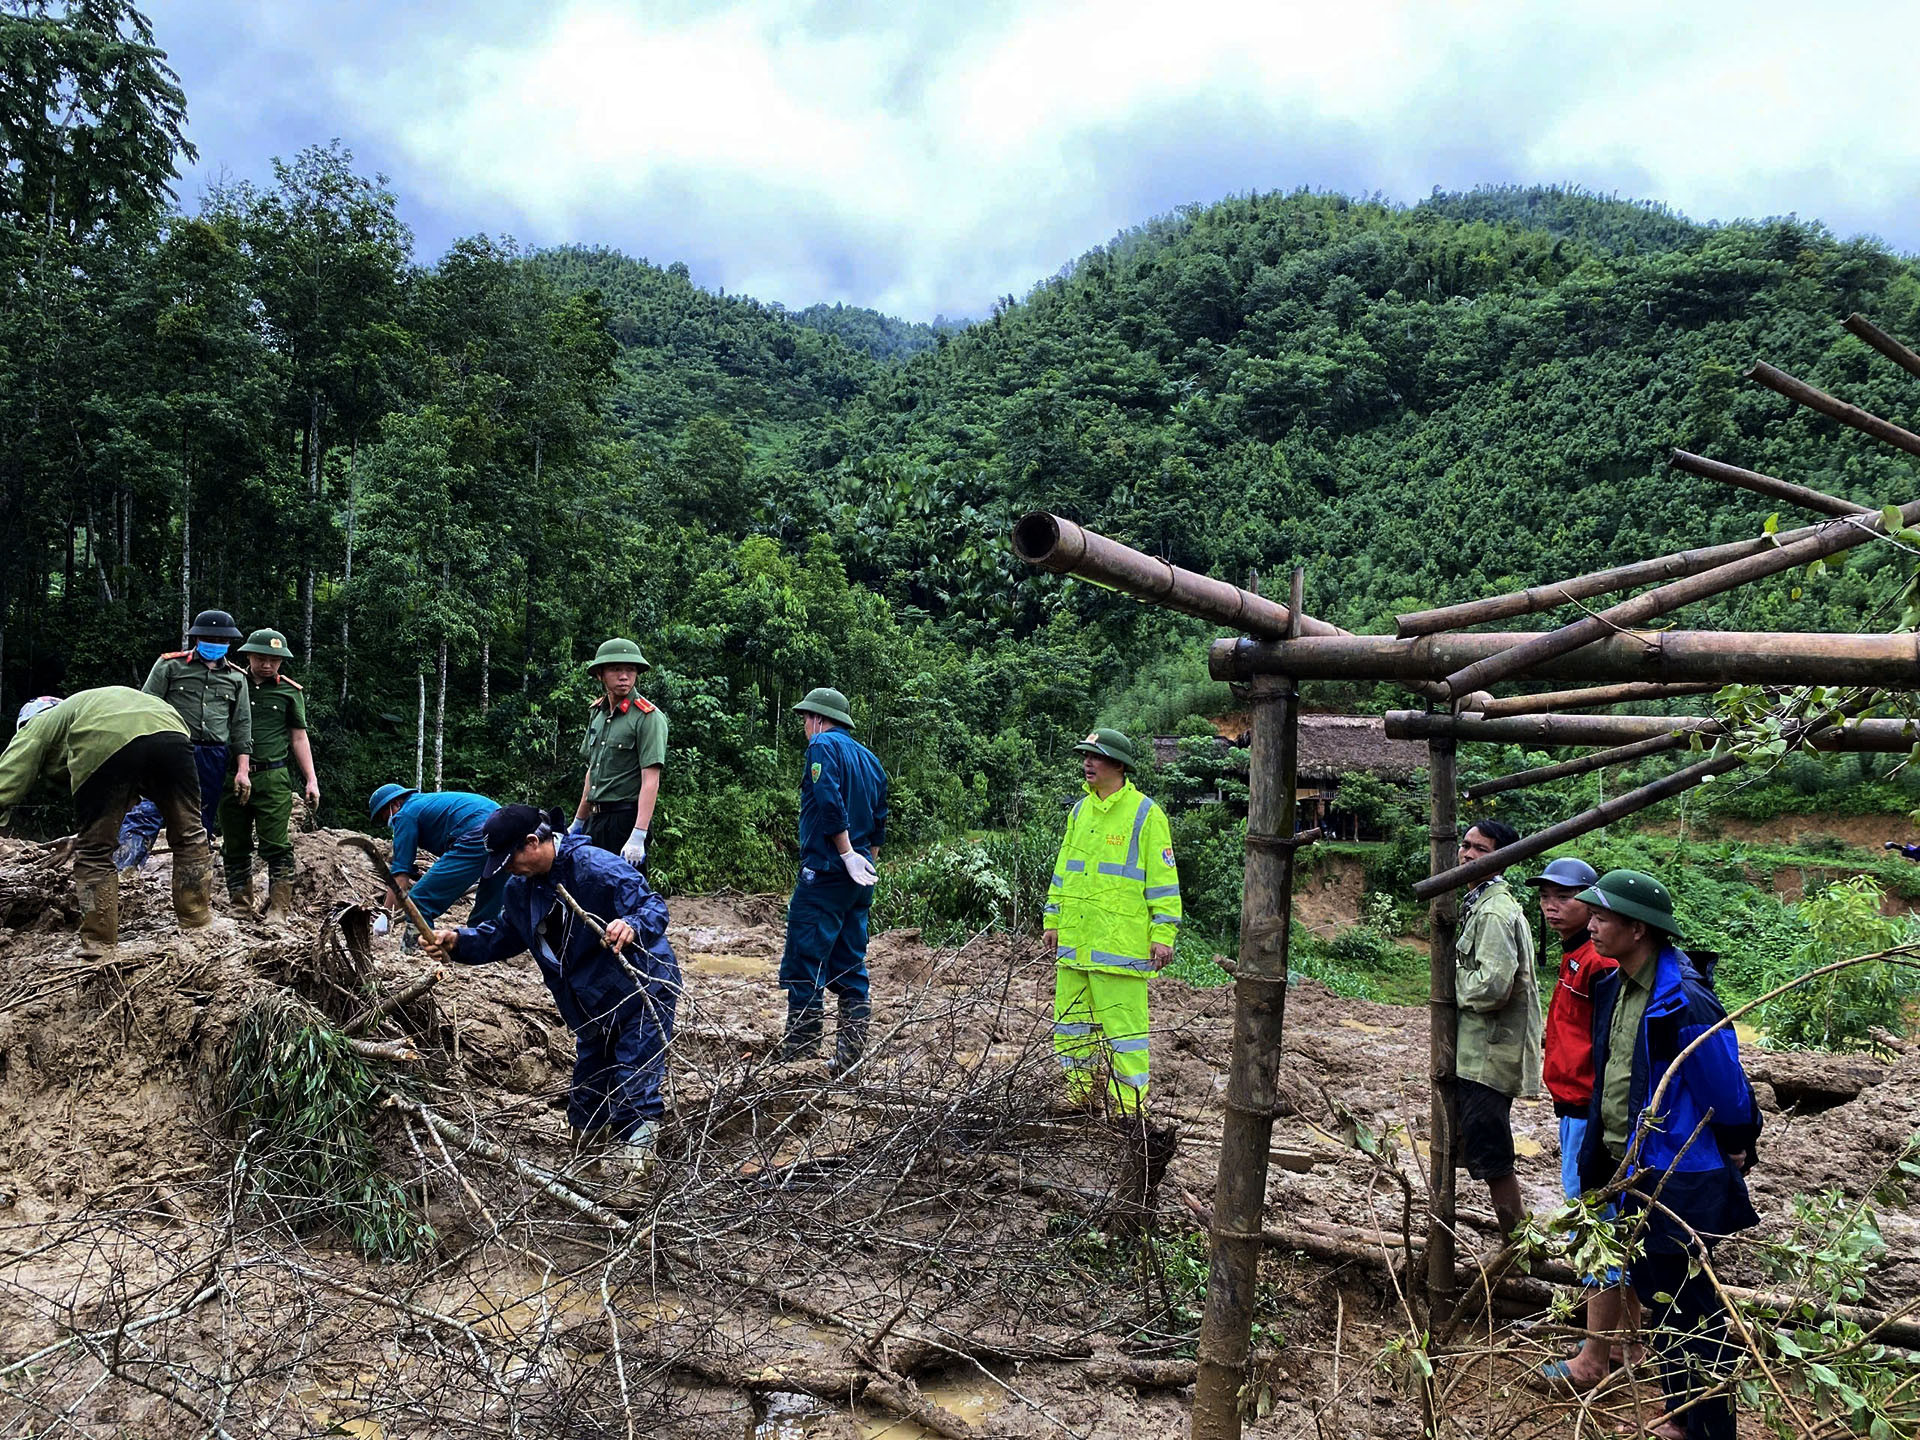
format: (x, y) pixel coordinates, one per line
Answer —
(214, 625)
(507, 829)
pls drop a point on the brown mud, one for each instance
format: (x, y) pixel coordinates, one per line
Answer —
(924, 1241)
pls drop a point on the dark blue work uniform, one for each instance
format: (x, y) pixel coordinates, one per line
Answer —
(1707, 1113)
(447, 822)
(621, 1025)
(842, 788)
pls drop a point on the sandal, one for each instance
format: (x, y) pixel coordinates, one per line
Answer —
(1556, 1377)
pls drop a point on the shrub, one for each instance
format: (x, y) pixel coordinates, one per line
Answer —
(1841, 1011)
(948, 891)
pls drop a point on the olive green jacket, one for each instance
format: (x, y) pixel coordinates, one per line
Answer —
(78, 736)
(1499, 1039)
(212, 699)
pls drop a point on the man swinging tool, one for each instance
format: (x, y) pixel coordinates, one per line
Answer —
(616, 987)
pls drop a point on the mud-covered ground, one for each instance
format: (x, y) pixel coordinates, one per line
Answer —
(931, 1223)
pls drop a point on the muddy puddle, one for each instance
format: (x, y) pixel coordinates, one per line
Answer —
(784, 1415)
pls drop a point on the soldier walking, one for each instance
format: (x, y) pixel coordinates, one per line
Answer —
(279, 710)
(625, 749)
(210, 694)
(843, 822)
(111, 745)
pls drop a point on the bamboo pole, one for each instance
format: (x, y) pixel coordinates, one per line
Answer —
(1664, 656)
(1579, 765)
(1048, 542)
(1552, 596)
(1767, 485)
(1592, 698)
(1442, 1028)
(1834, 537)
(1259, 1010)
(1863, 328)
(1474, 871)
(1879, 736)
(1865, 421)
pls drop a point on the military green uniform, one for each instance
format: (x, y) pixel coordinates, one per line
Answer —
(212, 699)
(621, 742)
(279, 708)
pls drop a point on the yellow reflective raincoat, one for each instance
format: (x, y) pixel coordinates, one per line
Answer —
(1115, 890)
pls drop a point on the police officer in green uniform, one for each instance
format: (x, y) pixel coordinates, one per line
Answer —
(279, 744)
(625, 748)
(210, 693)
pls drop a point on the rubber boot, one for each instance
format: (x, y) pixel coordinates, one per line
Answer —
(279, 898)
(99, 915)
(849, 1036)
(240, 894)
(804, 1029)
(587, 1145)
(193, 891)
(627, 1165)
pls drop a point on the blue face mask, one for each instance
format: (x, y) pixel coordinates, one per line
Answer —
(207, 650)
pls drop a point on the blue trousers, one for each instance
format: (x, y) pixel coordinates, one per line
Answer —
(453, 874)
(826, 941)
(619, 1068)
(143, 821)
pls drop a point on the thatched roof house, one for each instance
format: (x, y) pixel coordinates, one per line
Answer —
(1332, 746)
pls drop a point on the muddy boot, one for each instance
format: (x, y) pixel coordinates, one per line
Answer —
(1145, 1152)
(240, 895)
(100, 915)
(587, 1145)
(627, 1165)
(193, 890)
(802, 1038)
(279, 898)
(849, 1036)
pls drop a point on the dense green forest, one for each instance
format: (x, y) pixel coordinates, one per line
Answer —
(448, 478)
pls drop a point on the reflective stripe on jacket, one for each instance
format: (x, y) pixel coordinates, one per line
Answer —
(1115, 891)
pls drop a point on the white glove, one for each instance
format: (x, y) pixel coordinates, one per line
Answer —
(634, 852)
(379, 924)
(579, 826)
(859, 869)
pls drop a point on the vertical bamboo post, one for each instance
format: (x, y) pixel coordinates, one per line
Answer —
(1259, 1011)
(1442, 1018)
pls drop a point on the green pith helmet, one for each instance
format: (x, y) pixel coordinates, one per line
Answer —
(267, 642)
(617, 651)
(828, 704)
(1636, 896)
(1112, 744)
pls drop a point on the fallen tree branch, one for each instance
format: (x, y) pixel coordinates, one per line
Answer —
(544, 1180)
(390, 1003)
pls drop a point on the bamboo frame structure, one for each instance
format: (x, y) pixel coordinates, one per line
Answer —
(1281, 646)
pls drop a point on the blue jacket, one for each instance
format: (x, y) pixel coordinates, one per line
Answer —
(435, 822)
(1700, 1186)
(588, 981)
(842, 788)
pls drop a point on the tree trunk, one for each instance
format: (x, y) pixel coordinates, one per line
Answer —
(486, 686)
(100, 564)
(1442, 1025)
(313, 506)
(186, 542)
(420, 737)
(533, 570)
(440, 716)
(346, 606)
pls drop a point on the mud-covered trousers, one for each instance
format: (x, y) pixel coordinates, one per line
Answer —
(144, 820)
(1101, 1019)
(620, 1066)
(161, 768)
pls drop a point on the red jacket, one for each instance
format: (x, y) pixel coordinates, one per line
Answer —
(1569, 1038)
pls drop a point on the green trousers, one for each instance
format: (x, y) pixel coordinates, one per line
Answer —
(1101, 1017)
(270, 809)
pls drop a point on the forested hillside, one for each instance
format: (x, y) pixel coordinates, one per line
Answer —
(447, 478)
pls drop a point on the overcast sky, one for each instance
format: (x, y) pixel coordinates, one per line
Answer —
(926, 158)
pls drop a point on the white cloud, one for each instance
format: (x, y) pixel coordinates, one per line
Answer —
(923, 158)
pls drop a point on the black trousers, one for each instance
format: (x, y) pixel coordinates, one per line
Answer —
(1689, 1335)
(610, 825)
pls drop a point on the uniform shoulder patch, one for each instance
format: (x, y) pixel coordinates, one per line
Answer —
(644, 705)
(289, 680)
(177, 655)
(816, 771)
(596, 704)
(1167, 855)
